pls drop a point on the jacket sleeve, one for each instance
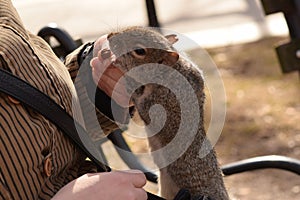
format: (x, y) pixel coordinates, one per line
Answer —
(107, 113)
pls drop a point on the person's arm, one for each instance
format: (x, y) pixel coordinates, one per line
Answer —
(126, 185)
(78, 64)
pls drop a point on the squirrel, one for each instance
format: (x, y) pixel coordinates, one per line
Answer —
(159, 108)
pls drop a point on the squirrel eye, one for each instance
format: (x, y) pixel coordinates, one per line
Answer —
(139, 52)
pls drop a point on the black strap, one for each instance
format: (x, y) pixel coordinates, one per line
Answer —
(43, 104)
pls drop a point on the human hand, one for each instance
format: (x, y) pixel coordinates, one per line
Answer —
(125, 185)
(107, 76)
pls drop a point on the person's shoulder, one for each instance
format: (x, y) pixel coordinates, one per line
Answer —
(10, 20)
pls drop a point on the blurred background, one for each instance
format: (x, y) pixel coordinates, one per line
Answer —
(208, 22)
(263, 104)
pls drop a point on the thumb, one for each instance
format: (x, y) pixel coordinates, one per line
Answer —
(137, 177)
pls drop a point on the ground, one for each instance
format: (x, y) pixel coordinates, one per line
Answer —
(262, 118)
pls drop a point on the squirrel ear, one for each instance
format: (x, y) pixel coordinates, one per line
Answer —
(172, 38)
(170, 58)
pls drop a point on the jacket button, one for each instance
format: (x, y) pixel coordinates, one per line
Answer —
(13, 100)
(48, 165)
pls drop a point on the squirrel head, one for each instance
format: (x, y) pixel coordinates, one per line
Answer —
(136, 46)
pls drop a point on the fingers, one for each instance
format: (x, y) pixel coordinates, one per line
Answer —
(141, 194)
(138, 178)
(107, 77)
(100, 42)
(112, 83)
(110, 88)
(100, 65)
(133, 180)
(125, 185)
(112, 80)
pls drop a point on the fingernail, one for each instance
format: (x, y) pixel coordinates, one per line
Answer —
(105, 53)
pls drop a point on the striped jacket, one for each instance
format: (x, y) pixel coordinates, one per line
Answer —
(36, 158)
